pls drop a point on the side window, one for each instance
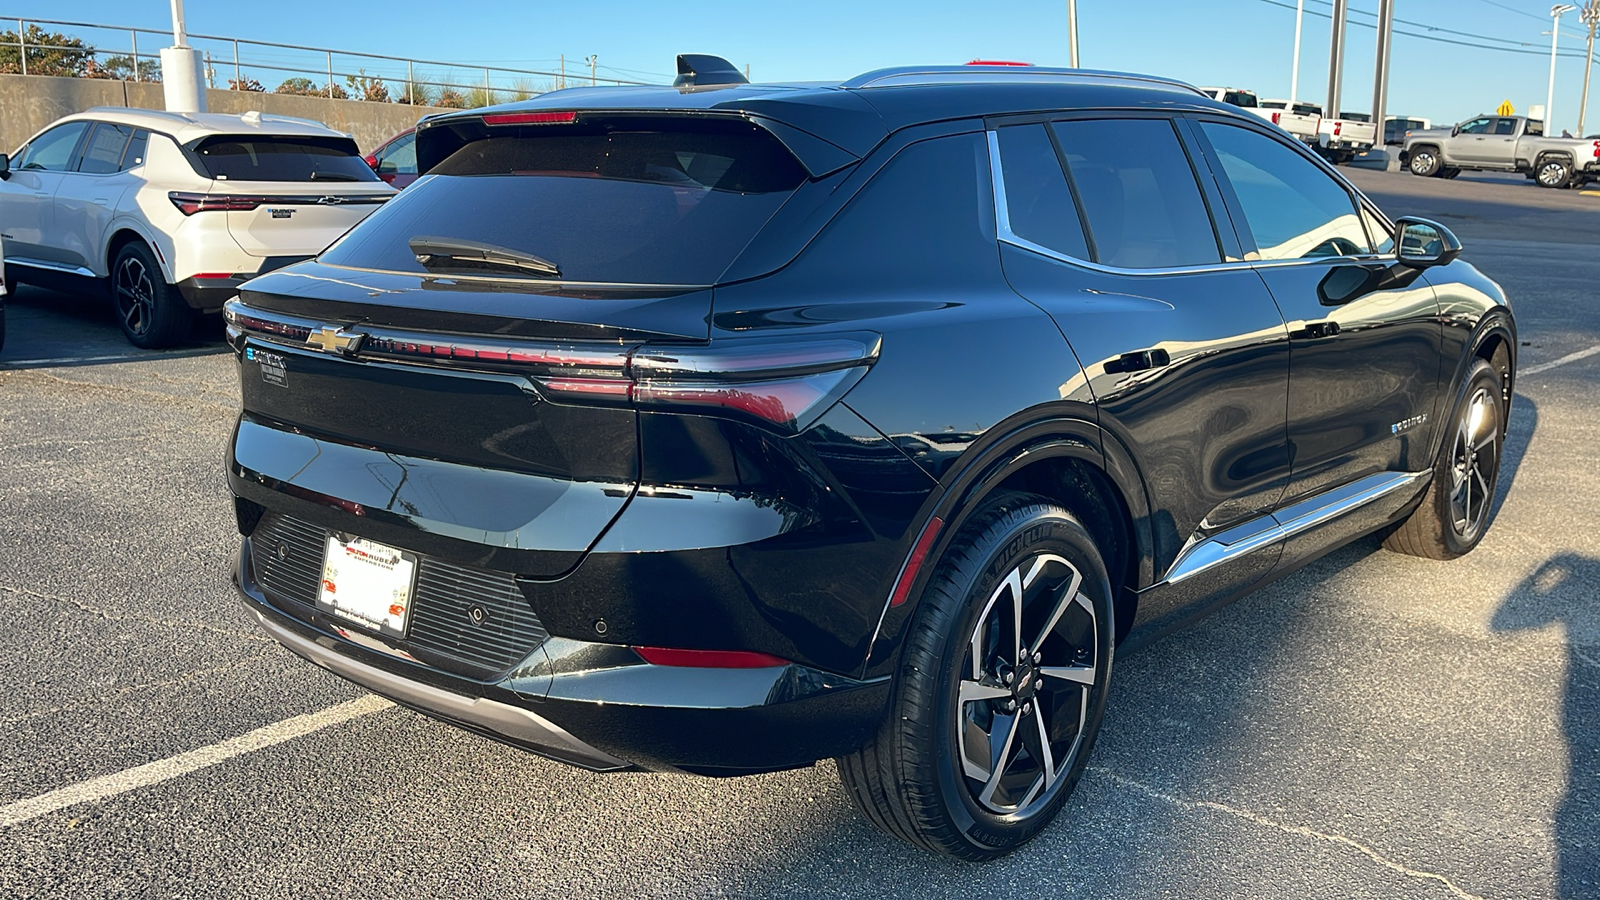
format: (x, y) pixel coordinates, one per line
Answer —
(52, 151)
(1505, 126)
(1382, 238)
(400, 157)
(1138, 193)
(102, 154)
(1293, 209)
(136, 150)
(1476, 126)
(1039, 206)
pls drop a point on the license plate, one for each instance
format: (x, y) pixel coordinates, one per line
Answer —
(368, 583)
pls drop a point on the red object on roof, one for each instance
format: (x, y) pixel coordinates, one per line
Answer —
(997, 62)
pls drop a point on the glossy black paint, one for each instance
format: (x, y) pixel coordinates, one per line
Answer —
(1162, 407)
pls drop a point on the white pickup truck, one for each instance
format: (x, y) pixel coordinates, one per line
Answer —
(1503, 144)
(1295, 121)
(1343, 138)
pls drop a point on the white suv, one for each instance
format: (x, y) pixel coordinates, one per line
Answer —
(173, 211)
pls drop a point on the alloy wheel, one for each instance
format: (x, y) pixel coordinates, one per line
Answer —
(1553, 174)
(1474, 464)
(1422, 163)
(136, 298)
(1027, 678)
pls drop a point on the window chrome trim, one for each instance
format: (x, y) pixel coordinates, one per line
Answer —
(1002, 216)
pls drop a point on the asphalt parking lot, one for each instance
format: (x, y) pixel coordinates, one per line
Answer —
(1372, 726)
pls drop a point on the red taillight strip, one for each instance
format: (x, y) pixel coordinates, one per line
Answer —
(919, 555)
(190, 203)
(531, 118)
(709, 659)
(752, 359)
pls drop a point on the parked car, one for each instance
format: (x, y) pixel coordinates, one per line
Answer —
(5, 292)
(171, 212)
(762, 444)
(1503, 144)
(1395, 128)
(396, 160)
(1303, 120)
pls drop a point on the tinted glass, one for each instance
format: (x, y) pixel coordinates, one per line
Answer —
(1241, 98)
(1294, 209)
(52, 151)
(1505, 126)
(136, 149)
(283, 159)
(1138, 192)
(1382, 237)
(1039, 204)
(1477, 126)
(400, 157)
(631, 207)
(1534, 129)
(103, 154)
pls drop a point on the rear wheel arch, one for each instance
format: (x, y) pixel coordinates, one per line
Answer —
(124, 235)
(1070, 461)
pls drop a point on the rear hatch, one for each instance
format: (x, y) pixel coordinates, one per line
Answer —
(289, 195)
(458, 363)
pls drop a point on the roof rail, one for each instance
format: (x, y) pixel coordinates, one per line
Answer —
(930, 75)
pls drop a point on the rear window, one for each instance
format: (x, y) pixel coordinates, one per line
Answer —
(627, 205)
(254, 158)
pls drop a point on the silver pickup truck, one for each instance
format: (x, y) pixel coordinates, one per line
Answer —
(1502, 144)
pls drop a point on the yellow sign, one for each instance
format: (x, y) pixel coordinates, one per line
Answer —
(1505, 109)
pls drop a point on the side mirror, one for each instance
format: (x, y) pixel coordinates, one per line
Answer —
(1425, 243)
(5, 166)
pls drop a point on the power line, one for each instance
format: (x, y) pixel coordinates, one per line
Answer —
(1521, 12)
(1440, 40)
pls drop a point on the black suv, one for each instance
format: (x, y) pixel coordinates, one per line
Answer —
(723, 428)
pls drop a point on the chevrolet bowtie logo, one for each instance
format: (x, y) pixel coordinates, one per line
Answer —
(336, 340)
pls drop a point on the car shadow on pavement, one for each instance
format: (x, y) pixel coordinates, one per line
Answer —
(1562, 593)
(55, 329)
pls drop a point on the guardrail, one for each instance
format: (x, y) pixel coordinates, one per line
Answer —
(247, 57)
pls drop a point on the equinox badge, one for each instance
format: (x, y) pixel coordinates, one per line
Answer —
(336, 340)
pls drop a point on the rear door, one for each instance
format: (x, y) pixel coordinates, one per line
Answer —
(1183, 349)
(1499, 147)
(297, 194)
(88, 198)
(1364, 341)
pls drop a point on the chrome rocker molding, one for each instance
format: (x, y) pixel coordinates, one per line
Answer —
(1267, 530)
(517, 724)
(47, 265)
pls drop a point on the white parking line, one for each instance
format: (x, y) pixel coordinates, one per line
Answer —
(74, 360)
(107, 786)
(1570, 357)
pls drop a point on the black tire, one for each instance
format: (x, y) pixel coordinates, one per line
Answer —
(1454, 514)
(919, 779)
(1424, 162)
(1552, 172)
(151, 312)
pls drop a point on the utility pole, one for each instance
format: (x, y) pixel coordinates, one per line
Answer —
(1072, 33)
(1591, 18)
(1341, 10)
(182, 79)
(592, 81)
(1294, 77)
(1380, 72)
(1556, 12)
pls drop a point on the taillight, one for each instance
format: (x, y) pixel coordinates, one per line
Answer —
(189, 203)
(782, 385)
(531, 118)
(1597, 149)
(709, 659)
(1337, 127)
(1276, 117)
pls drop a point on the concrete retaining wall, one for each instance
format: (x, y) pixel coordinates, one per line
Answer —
(30, 102)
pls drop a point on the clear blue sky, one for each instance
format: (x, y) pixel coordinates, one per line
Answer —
(1238, 43)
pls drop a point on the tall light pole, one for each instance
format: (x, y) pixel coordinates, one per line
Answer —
(1294, 77)
(1556, 12)
(1341, 9)
(1380, 73)
(1591, 18)
(1072, 33)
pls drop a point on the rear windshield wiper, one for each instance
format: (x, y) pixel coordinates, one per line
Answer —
(457, 254)
(332, 176)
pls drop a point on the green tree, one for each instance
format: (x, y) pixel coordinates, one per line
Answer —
(121, 68)
(48, 53)
(365, 87)
(303, 87)
(450, 98)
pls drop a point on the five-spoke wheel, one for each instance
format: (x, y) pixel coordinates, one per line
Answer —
(151, 312)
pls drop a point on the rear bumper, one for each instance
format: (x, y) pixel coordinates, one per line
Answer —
(207, 295)
(599, 706)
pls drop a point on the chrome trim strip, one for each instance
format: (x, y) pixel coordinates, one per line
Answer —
(51, 266)
(966, 74)
(500, 718)
(1267, 530)
(1002, 216)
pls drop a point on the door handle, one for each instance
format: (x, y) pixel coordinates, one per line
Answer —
(1139, 361)
(42, 195)
(102, 201)
(1321, 329)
